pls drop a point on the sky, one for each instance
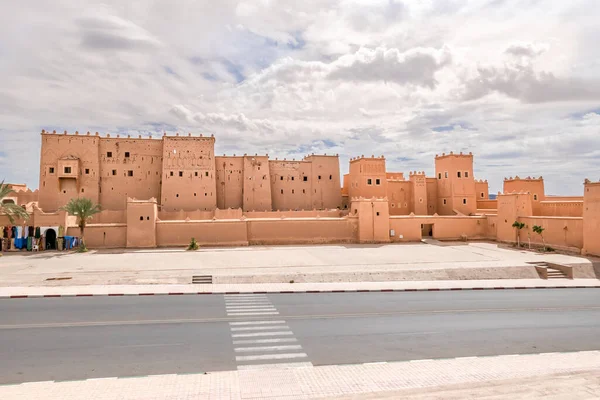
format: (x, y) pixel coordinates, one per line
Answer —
(516, 82)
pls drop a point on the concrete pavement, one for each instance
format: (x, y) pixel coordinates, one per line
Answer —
(281, 264)
(565, 375)
(80, 338)
(336, 287)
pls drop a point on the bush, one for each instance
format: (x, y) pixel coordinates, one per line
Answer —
(193, 245)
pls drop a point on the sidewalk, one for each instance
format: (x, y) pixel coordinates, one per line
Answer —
(282, 264)
(339, 287)
(507, 376)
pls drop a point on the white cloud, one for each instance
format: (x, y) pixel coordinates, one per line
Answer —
(407, 79)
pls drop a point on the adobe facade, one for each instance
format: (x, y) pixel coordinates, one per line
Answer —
(182, 173)
(162, 192)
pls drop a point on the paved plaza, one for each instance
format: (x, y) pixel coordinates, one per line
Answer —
(282, 264)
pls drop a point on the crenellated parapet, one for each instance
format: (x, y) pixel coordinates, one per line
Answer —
(452, 154)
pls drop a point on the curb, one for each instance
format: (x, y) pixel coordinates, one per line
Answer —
(295, 292)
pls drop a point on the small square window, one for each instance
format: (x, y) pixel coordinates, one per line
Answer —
(126, 154)
(305, 178)
(114, 171)
(130, 173)
(464, 201)
(319, 177)
(330, 177)
(292, 178)
(369, 181)
(206, 173)
(458, 174)
(445, 175)
(303, 191)
(205, 194)
(196, 173)
(194, 194)
(171, 173)
(482, 195)
(466, 174)
(87, 171)
(67, 170)
(440, 175)
(535, 196)
(292, 191)
(378, 213)
(377, 181)
(51, 170)
(82, 190)
(281, 178)
(141, 218)
(177, 195)
(180, 173)
(444, 201)
(109, 154)
(147, 218)
(281, 191)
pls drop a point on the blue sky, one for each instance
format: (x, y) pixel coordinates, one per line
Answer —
(407, 79)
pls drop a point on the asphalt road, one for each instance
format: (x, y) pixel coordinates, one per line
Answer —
(92, 337)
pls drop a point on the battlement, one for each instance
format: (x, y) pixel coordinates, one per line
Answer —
(363, 158)
(320, 155)
(528, 179)
(481, 181)
(587, 182)
(118, 136)
(452, 154)
(416, 173)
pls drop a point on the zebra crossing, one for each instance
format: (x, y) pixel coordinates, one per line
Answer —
(261, 344)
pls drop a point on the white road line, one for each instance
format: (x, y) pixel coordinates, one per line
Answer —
(259, 328)
(251, 309)
(245, 296)
(283, 356)
(264, 341)
(257, 334)
(249, 305)
(256, 323)
(267, 348)
(239, 314)
(276, 366)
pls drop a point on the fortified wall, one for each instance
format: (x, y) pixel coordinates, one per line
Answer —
(163, 192)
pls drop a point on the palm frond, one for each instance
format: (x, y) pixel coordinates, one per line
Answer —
(11, 210)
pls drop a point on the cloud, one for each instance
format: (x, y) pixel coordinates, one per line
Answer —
(102, 30)
(524, 49)
(526, 85)
(238, 122)
(416, 66)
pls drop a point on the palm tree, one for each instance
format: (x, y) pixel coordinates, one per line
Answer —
(519, 226)
(84, 209)
(539, 230)
(12, 211)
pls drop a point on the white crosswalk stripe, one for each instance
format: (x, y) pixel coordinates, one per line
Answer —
(264, 341)
(267, 348)
(258, 328)
(273, 322)
(284, 356)
(267, 339)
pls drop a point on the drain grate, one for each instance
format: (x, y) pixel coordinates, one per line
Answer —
(202, 279)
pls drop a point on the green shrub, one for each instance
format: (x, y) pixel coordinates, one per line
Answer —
(193, 245)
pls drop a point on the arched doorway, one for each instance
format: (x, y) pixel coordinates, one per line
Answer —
(50, 239)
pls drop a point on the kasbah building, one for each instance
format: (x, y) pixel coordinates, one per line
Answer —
(163, 192)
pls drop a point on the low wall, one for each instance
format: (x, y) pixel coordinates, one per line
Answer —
(105, 236)
(302, 230)
(295, 214)
(564, 233)
(563, 198)
(487, 204)
(109, 217)
(406, 229)
(561, 208)
(183, 215)
(213, 233)
(444, 228)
